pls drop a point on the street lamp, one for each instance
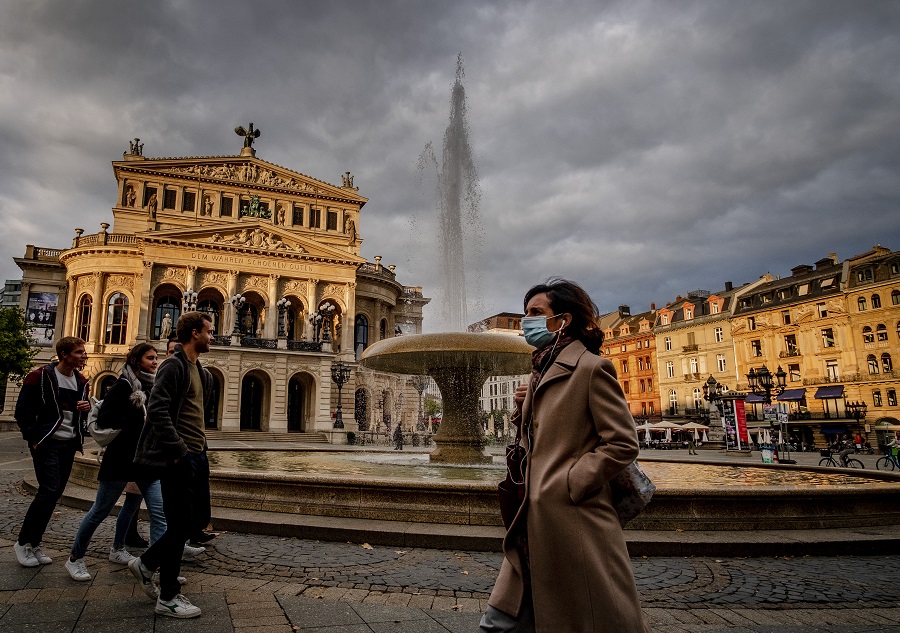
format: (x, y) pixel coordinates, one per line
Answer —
(340, 375)
(283, 305)
(189, 300)
(327, 312)
(419, 383)
(857, 410)
(237, 302)
(762, 384)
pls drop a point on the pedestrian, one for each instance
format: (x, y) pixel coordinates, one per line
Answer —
(566, 565)
(692, 444)
(124, 408)
(172, 443)
(51, 412)
(398, 438)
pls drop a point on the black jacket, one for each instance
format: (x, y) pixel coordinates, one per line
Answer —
(119, 412)
(38, 413)
(160, 444)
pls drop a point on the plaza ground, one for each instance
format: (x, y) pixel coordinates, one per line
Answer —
(254, 583)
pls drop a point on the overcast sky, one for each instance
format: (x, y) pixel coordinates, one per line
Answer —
(644, 149)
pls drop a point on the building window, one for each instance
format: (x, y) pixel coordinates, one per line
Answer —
(876, 397)
(698, 398)
(861, 304)
(872, 363)
(794, 373)
(297, 217)
(803, 289)
(895, 297)
(864, 275)
(892, 397)
(876, 302)
(625, 366)
(189, 199)
(714, 307)
(640, 364)
(149, 192)
(670, 369)
(673, 402)
(868, 335)
(643, 386)
(756, 348)
(168, 304)
(720, 336)
(651, 409)
(881, 332)
(315, 218)
(668, 340)
(786, 317)
(644, 409)
(823, 311)
(117, 319)
(624, 347)
(751, 323)
(720, 362)
(83, 327)
(887, 366)
(693, 363)
(227, 204)
(831, 370)
(649, 384)
(169, 199)
(790, 344)
(214, 310)
(688, 313)
(626, 387)
(331, 221)
(827, 337)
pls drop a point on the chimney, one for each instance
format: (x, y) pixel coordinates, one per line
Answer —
(652, 306)
(624, 311)
(729, 286)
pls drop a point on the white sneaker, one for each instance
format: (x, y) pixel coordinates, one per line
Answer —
(41, 557)
(25, 555)
(120, 556)
(177, 607)
(191, 551)
(77, 569)
(145, 577)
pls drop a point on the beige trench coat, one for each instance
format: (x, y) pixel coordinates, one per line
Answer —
(582, 579)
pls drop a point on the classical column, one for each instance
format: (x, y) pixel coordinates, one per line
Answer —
(311, 288)
(68, 327)
(97, 312)
(272, 310)
(144, 304)
(349, 320)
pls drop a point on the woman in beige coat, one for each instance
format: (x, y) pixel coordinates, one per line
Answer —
(567, 568)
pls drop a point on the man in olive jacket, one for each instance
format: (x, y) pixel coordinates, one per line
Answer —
(172, 443)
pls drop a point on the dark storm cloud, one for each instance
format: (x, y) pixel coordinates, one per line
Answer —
(644, 148)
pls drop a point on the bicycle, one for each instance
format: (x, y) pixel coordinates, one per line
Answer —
(889, 461)
(829, 460)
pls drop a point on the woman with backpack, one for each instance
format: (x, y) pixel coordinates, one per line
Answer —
(123, 408)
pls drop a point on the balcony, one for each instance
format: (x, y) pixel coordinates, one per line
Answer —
(789, 353)
(690, 348)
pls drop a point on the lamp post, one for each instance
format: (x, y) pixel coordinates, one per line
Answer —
(419, 383)
(237, 302)
(283, 305)
(712, 393)
(327, 312)
(765, 384)
(189, 298)
(340, 375)
(857, 410)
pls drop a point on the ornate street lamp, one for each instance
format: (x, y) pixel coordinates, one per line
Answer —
(327, 312)
(283, 305)
(237, 302)
(857, 410)
(419, 383)
(340, 375)
(189, 298)
(762, 385)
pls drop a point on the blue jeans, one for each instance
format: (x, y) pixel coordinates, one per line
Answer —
(108, 493)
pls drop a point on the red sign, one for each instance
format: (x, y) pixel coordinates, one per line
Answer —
(741, 415)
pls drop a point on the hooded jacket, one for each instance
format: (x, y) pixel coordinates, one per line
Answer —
(38, 412)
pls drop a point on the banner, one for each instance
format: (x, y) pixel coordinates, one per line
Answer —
(40, 316)
(741, 416)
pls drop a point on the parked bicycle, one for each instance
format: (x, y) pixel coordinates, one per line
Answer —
(829, 460)
(889, 461)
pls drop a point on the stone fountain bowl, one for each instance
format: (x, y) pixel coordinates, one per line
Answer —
(484, 353)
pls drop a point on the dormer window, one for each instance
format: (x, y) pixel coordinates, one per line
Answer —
(664, 319)
(803, 289)
(864, 275)
(827, 283)
(688, 313)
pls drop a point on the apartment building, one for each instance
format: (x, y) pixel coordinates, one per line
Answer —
(629, 342)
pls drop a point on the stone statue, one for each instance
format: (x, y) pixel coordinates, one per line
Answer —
(347, 180)
(130, 196)
(165, 328)
(350, 228)
(207, 206)
(280, 218)
(151, 206)
(249, 135)
(136, 148)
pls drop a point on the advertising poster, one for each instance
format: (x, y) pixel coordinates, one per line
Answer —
(728, 423)
(40, 315)
(741, 416)
(770, 412)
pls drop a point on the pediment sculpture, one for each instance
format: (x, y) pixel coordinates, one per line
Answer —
(257, 238)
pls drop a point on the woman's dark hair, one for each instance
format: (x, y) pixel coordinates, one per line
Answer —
(567, 296)
(137, 352)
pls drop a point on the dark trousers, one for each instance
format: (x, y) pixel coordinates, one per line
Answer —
(183, 486)
(52, 467)
(202, 510)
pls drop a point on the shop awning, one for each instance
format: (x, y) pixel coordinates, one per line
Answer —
(751, 398)
(790, 395)
(829, 392)
(834, 429)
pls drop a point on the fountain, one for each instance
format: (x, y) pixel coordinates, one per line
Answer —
(459, 363)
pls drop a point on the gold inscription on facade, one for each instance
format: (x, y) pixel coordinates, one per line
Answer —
(251, 261)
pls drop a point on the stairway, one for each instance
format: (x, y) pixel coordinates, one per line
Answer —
(265, 436)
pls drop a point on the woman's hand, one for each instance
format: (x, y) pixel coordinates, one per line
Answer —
(519, 396)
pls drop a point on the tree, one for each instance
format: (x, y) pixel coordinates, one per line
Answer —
(16, 351)
(432, 407)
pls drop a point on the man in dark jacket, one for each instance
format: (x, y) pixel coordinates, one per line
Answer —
(52, 414)
(172, 444)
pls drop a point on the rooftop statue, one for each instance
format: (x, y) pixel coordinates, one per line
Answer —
(249, 135)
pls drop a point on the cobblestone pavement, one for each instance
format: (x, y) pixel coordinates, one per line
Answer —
(250, 583)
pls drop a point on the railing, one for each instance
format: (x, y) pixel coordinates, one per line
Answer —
(304, 346)
(259, 343)
(221, 340)
(690, 348)
(376, 269)
(103, 239)
(789, 353)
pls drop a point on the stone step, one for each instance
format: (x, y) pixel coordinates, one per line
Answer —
(267, 436)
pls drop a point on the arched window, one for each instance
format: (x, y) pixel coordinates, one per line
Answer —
(861, 304)
(872, 363)
(887, 366)
(83, 322)
(876, 302)
(213, 310)
(166, 304)
(868, 336)
(881, 332)
(895, 297)
(117, 319)
(673, 402)
(249, 320)
(360, 334)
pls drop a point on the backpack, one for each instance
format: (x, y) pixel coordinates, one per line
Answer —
(103, 436)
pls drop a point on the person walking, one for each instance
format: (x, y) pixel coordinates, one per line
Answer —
(692, 444)
(172, 443)
(398, 438)
(566, 565)
(124, 408)
(51, 413)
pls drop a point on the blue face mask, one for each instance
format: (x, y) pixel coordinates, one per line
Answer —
(536, 332)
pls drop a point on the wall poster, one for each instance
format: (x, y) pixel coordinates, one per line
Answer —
(40, 316)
